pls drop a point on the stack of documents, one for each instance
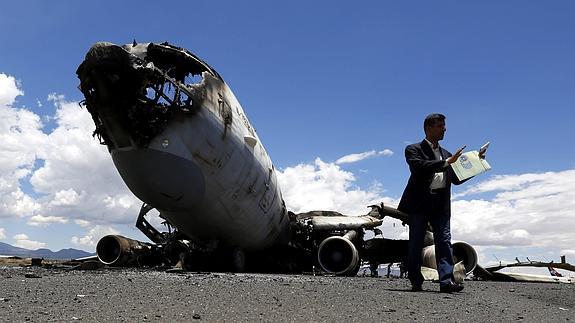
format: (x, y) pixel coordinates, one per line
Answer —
(469, 164)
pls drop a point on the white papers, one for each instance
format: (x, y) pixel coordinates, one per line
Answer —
(469, 164)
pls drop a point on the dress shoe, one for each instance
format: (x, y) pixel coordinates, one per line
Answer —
(451, 287)
(416, 288)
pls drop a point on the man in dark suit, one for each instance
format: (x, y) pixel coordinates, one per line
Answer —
(427, 199)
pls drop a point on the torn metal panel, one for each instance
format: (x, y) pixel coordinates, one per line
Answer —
(483, 274)
(561, 265)
(381, 211)
(493, 272)
(518, 277)
(344, 222)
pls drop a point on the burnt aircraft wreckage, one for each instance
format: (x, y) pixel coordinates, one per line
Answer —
(183, 145)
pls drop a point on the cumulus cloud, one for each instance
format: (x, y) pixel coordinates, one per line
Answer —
(23, 241)
(20, 135)
(324, 186)
(9, 90)
(67, 197)
(353, 158)
(524, 184)
(71, 174)
(527, 210)
(82, 223)
(2, 233)
(90, 239)
(78, 175)
(42, 221)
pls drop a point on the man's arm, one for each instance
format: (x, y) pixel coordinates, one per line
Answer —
(419, 165)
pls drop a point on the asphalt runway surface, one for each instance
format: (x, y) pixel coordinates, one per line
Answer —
(38, 294)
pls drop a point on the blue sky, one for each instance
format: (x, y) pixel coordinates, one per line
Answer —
(319, 81)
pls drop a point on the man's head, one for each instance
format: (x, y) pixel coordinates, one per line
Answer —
(434, 127)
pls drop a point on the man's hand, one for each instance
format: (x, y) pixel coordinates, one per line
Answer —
(454, 158)
(483, 150)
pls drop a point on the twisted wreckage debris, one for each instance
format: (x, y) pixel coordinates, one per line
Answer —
(492, 272)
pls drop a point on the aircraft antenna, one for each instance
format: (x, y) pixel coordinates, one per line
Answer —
(494, 256)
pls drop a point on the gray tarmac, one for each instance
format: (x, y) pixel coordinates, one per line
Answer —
(38, 294)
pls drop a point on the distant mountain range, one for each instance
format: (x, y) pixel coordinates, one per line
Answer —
(64, 254)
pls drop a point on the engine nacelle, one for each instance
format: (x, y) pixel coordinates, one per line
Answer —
(338, 255)
(117, 250)
(462, 251)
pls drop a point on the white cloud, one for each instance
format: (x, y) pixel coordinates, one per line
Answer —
(20, 135)
(325, 186)
(42, 221)
(90, 239)
(2, 233)
(72, 175)
(78, 177)
(78, 173)
(385, 152)
(9, 90)
(65, 198)
(22, 241)
(528, 210)
(82, 223)
(352, 158)
(56, 97)
(19, 204)
(20, 236)
(550, 181)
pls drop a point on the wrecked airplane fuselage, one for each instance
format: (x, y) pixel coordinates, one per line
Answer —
(182, 143)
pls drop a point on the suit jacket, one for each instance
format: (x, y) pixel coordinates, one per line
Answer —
(423, 165)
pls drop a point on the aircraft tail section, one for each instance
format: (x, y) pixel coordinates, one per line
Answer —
(554, 272)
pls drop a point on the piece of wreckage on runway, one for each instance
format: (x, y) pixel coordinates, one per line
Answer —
(493, 273)
(183, 145)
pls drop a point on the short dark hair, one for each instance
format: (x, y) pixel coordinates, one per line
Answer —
(432, 119)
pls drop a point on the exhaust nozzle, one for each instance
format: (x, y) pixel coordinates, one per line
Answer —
(117, 250)
(462, 251)
(338, 255)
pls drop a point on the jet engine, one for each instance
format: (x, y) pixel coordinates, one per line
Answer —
(338, 255)
(462, 251)
(117, 250)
